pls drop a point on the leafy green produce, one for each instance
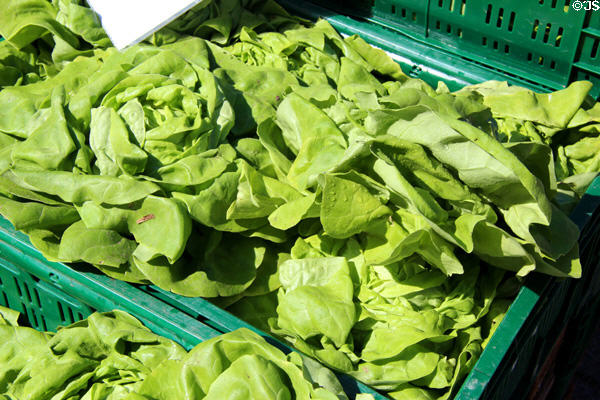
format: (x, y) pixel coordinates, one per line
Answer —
(113, 356)
(296, 177)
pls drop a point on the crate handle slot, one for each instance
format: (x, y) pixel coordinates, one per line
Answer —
(547, 33)
(511, 21)
(559, 36)
(500, 16)
(61, 312)
(536, 25)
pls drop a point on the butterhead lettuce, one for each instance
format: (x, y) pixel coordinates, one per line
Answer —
(298, 178)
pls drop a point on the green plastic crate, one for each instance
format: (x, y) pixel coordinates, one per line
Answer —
(536, 40)
(52, 294)
(540, 44)
(45, 306)
(587, 59)
(407, 15)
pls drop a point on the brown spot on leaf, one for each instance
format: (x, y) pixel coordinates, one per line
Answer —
(145, 218)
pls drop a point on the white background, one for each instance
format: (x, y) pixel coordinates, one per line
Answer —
(128, 22)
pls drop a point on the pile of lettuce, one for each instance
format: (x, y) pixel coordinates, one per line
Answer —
(112, 356)
(296, 177)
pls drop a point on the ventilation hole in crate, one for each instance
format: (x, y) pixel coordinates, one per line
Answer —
(541, 60)
(33, 317)
(484, 41)
(4, 300)
(488, 16)
(43, 321)
(506, 49)
(448, 28)
(36, 296)
(594, 53)
(553, 64)
(414, 16)
(541, 1)
(1, 284)
(415, 71)
(547, 33)
(451, 5)
(79, 316)
(60, 311)
(27, 294)
(71, 316)
(553, 5)
(511, 21)
(438, 25)
(559, 36)
(393, 9)
(18, 288)
(459, 32)
(495, 45)
(529, 56)
(403, 13)
(463, 7)
(440, 3)
(567, 6)
(536, 25)
(500, 15)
